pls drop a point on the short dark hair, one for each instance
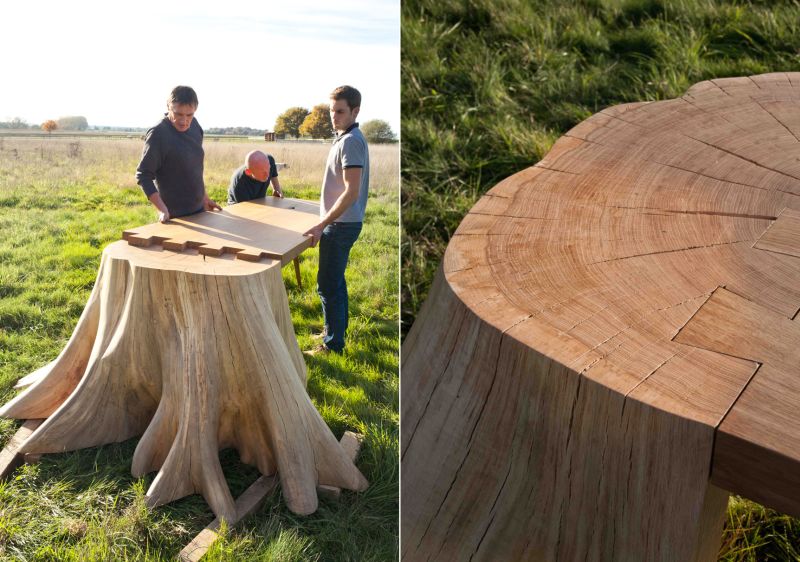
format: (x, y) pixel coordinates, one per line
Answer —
(182, 95)
(348, 94)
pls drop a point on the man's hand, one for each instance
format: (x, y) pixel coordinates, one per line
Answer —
(315, 232)
(276, 192)
(161, 208)
(209, 204)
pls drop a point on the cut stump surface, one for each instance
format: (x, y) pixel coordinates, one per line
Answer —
(610, 327)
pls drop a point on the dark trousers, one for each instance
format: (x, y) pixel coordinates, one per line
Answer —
(334, 250)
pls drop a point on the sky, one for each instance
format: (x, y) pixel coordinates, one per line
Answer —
(116, 62)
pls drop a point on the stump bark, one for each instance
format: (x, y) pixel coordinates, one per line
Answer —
(609, 347)
(195, 354)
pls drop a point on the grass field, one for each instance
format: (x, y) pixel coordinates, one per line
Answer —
(61, 202)
(488, 86)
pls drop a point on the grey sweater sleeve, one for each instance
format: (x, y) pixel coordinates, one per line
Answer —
(152, 159)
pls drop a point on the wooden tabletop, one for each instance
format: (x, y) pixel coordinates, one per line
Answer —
(656, 251)
(269, 227)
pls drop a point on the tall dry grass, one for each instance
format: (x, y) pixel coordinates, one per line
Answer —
(59, 162)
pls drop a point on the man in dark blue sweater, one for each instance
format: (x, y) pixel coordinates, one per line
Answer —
(171, 170)
(251, 180)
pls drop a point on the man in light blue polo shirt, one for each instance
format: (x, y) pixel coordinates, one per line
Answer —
(342, 204)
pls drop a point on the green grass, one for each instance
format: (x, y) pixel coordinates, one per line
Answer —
(488, 86)
(57, 213)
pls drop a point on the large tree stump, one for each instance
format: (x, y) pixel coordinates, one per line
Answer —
(608, 347)
(195, 354)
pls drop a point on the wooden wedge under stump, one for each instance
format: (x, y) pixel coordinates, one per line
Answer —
(254, 496)
(9, 456)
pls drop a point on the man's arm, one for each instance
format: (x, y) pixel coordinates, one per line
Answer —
(352, 184)
(163, 212)
(273, 177)
(209, 204)
(276, 187)
(146, 173)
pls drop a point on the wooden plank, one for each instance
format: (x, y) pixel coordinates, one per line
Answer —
(262, 228)
(10, 458)
(246, 504)
(254, 496)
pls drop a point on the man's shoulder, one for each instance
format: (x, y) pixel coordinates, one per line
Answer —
(354, 133)
(353, 142)
(353, 137)
(238, 174)
(159, 129)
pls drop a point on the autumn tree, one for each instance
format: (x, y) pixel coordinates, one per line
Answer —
(289, 122)
(317, 124)
(49, 126)
(378, 131)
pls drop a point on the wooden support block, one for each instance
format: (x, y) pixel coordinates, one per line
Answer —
(246, 504)
(196, 549)
(31, 458)
(351, 443)
(253, 497)
(9, 456)
(329, 492)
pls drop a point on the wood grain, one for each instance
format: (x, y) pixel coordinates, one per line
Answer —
(549, 412)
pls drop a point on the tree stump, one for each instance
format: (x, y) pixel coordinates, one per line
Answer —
(195, 354)
(609, 347)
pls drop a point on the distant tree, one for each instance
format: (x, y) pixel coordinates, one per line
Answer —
(49, 126)
(317, 124)
(15, 123)
(378, 131)
(73, 123)
(240, 131)
(289, 122)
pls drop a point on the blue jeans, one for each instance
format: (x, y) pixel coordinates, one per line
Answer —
(334, 250)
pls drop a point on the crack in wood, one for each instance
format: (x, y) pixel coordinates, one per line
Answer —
(735, 155)
(470, 440)
(781, 123)
(688, 248)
